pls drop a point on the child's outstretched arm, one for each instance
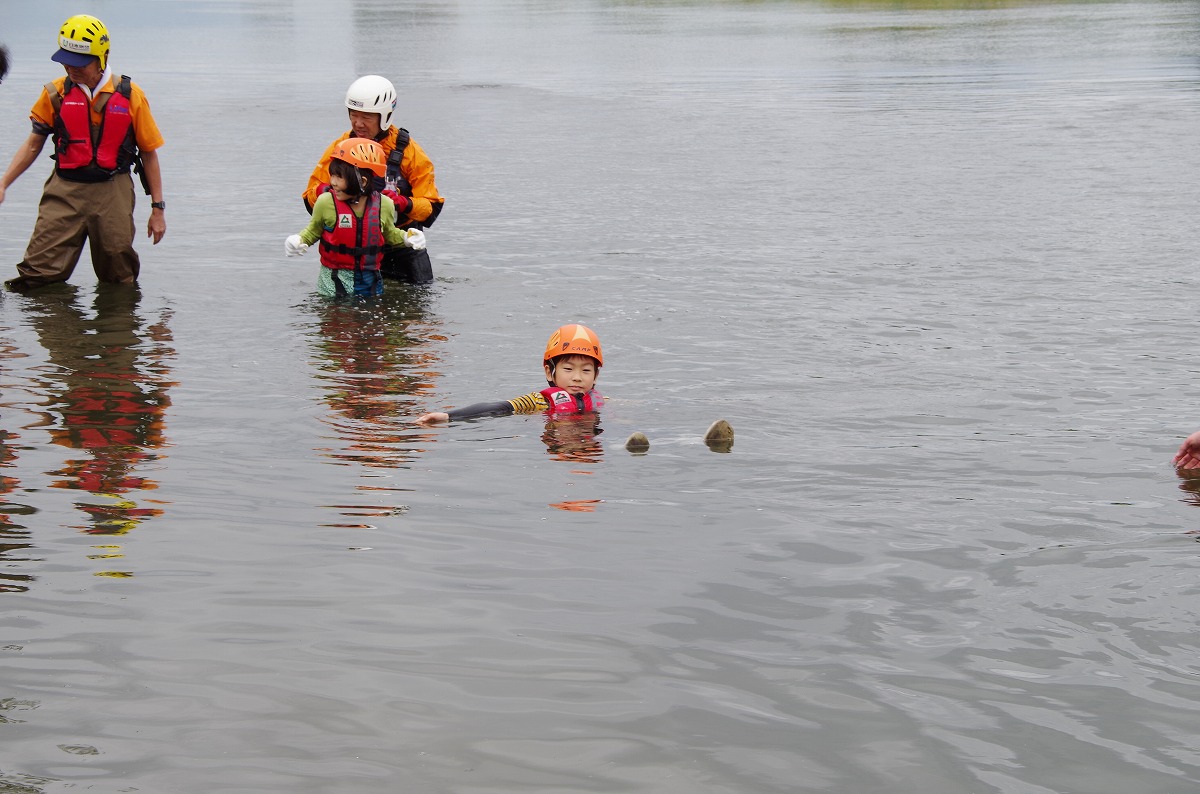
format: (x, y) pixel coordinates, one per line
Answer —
(434, 418)
(1188, 456)
(531, 403)
(294, 245)
(499, 408)
(323, 215)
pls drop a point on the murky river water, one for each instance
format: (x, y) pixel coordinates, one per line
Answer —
(934, 262)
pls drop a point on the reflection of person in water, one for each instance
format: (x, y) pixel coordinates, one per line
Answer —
(573, 437)
(106, 397)
(369, 354)
(14, 537)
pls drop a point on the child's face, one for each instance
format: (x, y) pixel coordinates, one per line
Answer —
(576, 374)
(338, 185)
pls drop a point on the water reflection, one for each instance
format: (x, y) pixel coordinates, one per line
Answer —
(573, 438)
(1189, 483)
(375, 360)
(13, 535)
(105, 399)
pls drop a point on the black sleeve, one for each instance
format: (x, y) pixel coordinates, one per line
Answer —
(498, 408)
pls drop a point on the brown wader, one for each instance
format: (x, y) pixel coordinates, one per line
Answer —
(71, 213)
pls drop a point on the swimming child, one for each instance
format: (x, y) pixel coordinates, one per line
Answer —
(572, 363)
(354, 223)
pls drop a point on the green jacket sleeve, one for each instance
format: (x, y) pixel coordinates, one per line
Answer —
(322, 218)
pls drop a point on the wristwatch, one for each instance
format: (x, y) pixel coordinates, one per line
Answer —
(158, 205)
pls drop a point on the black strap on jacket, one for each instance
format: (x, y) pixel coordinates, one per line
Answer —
(403, 187)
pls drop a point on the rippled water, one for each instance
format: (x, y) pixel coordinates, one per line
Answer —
(933, 261)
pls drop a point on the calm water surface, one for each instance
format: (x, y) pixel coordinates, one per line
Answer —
(934, 262)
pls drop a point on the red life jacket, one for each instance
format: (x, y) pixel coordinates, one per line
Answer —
(87, 153)
(353, 242)
(562, 401)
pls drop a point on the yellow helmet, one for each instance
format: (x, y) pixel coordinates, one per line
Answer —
(81, 38)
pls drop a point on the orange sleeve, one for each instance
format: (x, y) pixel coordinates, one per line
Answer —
(320, 174)
(42, 111)
(145, 128)
(418, 170)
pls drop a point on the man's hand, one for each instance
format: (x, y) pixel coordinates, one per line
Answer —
(156, 227)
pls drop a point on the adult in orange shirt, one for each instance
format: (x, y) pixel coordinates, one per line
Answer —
(408, 181)
(102, 127)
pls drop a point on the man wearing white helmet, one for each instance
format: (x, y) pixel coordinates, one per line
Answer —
(101, 125)
(409, 179)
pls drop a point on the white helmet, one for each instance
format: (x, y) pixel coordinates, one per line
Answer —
(373, 94)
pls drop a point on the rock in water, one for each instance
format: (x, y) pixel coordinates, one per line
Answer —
(719, 436)
(637, 443)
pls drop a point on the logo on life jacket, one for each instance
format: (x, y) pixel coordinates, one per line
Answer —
(561, 401)
(345, 221)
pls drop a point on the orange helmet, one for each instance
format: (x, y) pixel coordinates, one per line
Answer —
(574, 340)
(362, 153)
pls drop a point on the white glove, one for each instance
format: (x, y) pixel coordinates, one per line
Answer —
(293, 247)
(414, 239)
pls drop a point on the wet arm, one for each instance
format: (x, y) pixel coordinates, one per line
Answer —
(1188, 456)
(498, 408)
(532, 403)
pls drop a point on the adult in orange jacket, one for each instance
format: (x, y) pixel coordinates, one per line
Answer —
(409, 179)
